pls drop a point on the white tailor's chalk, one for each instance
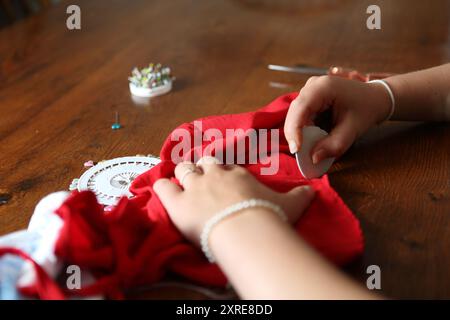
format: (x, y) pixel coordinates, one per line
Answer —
(311, 135)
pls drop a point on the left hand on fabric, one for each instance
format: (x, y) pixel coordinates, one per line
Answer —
(209, 187)
(271, 251)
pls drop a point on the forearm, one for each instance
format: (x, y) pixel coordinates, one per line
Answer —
(265, 259)
(422, 95)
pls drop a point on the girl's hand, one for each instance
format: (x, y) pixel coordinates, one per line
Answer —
(356, 106)
(213, 187)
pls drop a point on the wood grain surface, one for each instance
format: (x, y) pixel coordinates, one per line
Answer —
(59, 90)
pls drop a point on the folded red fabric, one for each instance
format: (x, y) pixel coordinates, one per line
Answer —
(136, 243)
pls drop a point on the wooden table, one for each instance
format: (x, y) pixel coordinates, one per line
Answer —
(59, 90)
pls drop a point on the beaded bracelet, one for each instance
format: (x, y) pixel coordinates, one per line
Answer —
(391, 95)
(221, 215)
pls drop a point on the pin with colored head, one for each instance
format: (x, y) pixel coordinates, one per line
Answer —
(116, 125)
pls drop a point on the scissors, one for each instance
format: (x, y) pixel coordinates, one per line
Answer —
(332, 71)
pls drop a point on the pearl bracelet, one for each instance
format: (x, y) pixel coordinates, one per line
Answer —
(221, 215)
(391, 95)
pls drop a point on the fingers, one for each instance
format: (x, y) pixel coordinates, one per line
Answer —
(296, 201)
(313, 98)
(337, 142)
(208, 164)
(166, 191)
(187, 173)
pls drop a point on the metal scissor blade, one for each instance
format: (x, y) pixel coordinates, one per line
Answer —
(299, 69)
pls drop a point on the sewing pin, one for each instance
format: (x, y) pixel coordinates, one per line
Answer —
(89, 164)
(116, 125)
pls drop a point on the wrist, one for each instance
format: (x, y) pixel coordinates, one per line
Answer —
(244, 225)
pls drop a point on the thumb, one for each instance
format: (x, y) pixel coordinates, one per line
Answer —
(336, 143)
(296, 201)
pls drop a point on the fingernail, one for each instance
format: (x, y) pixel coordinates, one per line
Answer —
(317, 156)
(293, 146)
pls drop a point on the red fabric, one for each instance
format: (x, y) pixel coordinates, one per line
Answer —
(136, 243)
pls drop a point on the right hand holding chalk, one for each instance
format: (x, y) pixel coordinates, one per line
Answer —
(356, 106)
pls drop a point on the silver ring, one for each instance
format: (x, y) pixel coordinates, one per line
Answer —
(185, 174)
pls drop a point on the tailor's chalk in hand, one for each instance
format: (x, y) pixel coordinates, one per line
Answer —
(311, 135)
